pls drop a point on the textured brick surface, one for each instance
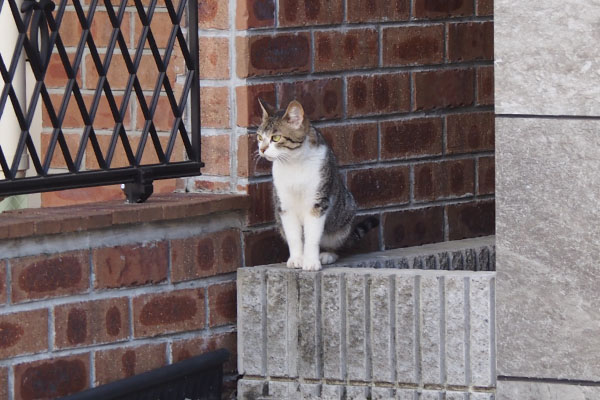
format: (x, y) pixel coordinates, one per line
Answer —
(352, 49)
(321, 99)
(411, 138)
(378, 94)
(310, 12)
(442, 8)
(123, 362)
(471, 220)
(471, 41)
(486, 175)
(378, 10)
(413, 45)
(254, 14)
(413, 227)
(352, 143)
(222, 304)
(267, 55)
(23, 333)
(443, 180)
(379, 186)
(186, 348)
(443, 89)
(470, 132)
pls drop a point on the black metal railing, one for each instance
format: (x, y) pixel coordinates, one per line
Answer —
(40, 38)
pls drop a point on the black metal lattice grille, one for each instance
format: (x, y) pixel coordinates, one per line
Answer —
(41, 39)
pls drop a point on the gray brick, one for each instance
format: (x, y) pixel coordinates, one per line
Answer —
(332, 392)
(457, 261)
(418, 263)
(250, 322)
(456, 366)
(444, 260)
(430, 262)
(277, 323)
(333, 325)
(356, 342)
(456, 396)
(308, 321)
(483, 259)
(382, 393)
(406, 394)
(382, 328)
(283, 390)
(482, 396)
(405, 329)
(402, 263)
(482, 373)
(431, 368)
(310, 391)
(431, 395)
(251, 389)
(357, 393)
(470, 260)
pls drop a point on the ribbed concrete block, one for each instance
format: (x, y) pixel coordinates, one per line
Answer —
(406, 366)
(332, 392)
(456, 363)
(357, 393)
(382, 328)
(457, 396)
(250, 285)
(482, 354)
(406, 394)
(309, 324)
(310, 391)
(382, 393)
(490, 396)
(357, 315)
(251, 389)
(431, 313)
(333, 325)
(283, 390)
(277, 323)
(431, 395)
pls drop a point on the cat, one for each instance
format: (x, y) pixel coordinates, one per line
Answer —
(313, 208)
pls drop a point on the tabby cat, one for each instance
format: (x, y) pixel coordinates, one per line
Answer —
(314, 209)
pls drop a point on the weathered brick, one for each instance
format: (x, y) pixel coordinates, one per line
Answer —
(486, 175)
(411, 137)
(103, 118)
(124, 362)
(214, 107)
(378, 10)
(443, 88)
(101, 29)
(378, 94)
(56, 76)
(82, 196)
(264, 247)
(485, 86)
(251, 319)
(44, 276)
(352, 49)
(175, 311)
(214, 57)
(249, 112)
(471, 132)
(413, 227)
(251, 389)
(254, 14)
(213, 14)
(261, 203)
(321, 99)
(4, 389)
(23, 332)
(186, 348)
(433, 9)
(413, 45)
(206, 255)
(445, 179)
(222, 304)
(130, 265)
(91, 322)
(50, 379)
(215, 155)
(485, 7)
(380, 186)
(470, 41)
(273, 54)
(352, 143)
(3, 293)
(471, 220)
(206, 185)
(249, 162)
(310, 12)
(58, 160)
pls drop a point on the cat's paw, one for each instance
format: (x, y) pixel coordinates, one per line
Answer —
(312, 264)
(294, 262)
(328, 258)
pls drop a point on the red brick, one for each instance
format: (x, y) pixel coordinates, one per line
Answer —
(187, 348)
(215, 155)
(56, 77)
(163, 117)
(54, 378)
(3, 294)
(175, 311)
(442, 8)
(213, 14)
(222, 304)
(486, 172)
(91, 322)
(470, 41)
(160, 26)
(273, 54)
(264, 247)
(205, 185)
(485, 7)
(58, 160)
(470, 132)
(249, 112)
(443, 88)
(23, 332)
(44, 276)
(471, 220)
(124, 362)
(352, 143)
(214, 57)
(214, 107)
(249, 161)
(411, 138)
(102, 29)
(207, 255)
(378, 94)
(321, 99)
(352, 49)
(446, 179)
(130, 265)
(408, 228)
(254, 14)
(4, 383)
(310, 12)
(413, 45)
(485, 86)
(378, 10)
(70, 29)
(376, 187)
(261, 203)
(82, 196)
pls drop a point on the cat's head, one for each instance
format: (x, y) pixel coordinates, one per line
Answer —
(281, 133)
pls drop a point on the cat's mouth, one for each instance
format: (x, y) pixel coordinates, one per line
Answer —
(263, 155)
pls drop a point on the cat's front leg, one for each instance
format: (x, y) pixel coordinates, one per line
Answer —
(313, 230)
(293, 235)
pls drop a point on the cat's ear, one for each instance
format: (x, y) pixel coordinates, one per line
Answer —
(266, 108)
(294, 114)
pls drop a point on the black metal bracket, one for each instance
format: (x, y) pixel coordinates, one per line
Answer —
(140, 190)
(39, 24)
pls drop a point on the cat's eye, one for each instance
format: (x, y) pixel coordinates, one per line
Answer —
(259, 137)
(276, 138)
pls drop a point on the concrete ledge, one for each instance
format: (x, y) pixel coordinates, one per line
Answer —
(367, 333)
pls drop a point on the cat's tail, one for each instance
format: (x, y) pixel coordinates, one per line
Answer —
(360, 230)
